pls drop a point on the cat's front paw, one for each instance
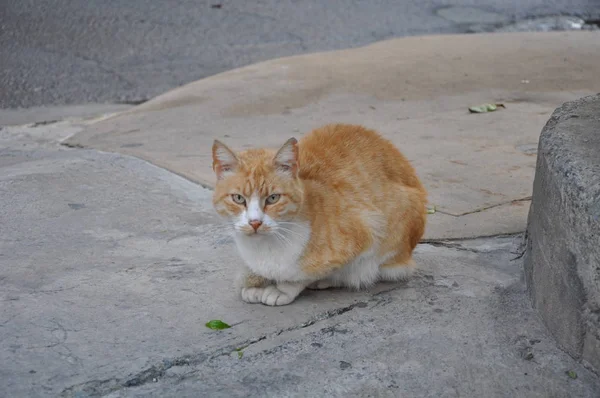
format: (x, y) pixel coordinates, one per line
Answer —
(252, 295)
(269, 295)
(281, 294)
(273, 296)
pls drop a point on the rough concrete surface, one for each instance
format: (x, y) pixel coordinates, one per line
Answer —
(81, 51)
(110, 267)
(415, 90)
(563, 252)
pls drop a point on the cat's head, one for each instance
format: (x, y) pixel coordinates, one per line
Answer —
(257, 190)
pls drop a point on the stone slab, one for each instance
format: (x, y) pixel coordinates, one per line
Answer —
(415, 90)
(110, 267)
(562, 263)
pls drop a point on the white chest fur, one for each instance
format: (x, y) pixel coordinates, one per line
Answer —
(275, 256)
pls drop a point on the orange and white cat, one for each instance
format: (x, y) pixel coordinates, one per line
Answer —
(342, 207)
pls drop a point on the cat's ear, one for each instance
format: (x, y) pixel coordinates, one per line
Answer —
(224, 160)
(286, 159)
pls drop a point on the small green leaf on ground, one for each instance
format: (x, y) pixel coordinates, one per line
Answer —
(431, 210)
(571, 374)
(240, 352)
(217, 325)
(483, 108)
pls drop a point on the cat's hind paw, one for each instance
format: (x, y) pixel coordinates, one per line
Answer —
(320, 285)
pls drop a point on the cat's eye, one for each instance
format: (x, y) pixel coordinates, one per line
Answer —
(273, 198)
(239, 199)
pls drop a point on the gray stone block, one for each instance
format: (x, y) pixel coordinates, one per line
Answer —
(562, 257)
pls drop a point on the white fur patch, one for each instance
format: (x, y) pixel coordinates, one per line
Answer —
(397, 273)
(361, 272)
(275, 255)
(254, 210)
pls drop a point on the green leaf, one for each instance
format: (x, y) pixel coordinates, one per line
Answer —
(431, 210)
(240, 352)
(483, 108)
(571, 374)
(217, 325)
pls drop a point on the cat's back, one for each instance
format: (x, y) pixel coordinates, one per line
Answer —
(339, 154)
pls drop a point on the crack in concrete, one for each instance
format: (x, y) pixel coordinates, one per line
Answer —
(327, 315)
(521, 248)
(509, 202)
(442, 240)
(44, 123)
(95, 388)
(73, 146)
(518, 251)
(138, 101)
(456, 246)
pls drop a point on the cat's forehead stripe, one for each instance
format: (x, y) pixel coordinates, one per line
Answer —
(257, 182)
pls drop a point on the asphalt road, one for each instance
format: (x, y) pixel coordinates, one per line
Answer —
(109, 51)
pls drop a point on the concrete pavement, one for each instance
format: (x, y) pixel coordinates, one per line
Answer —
(110, 267)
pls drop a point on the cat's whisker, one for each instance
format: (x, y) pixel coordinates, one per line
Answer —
(299, 229)
(300, 236)
(296, 237)
(289, 223)
(287, 240)
(291, 231)
(282, 239)
(279, 237)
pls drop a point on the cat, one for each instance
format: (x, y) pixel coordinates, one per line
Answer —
(341, 208)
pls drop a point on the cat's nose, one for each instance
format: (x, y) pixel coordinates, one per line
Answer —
(255, 224)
